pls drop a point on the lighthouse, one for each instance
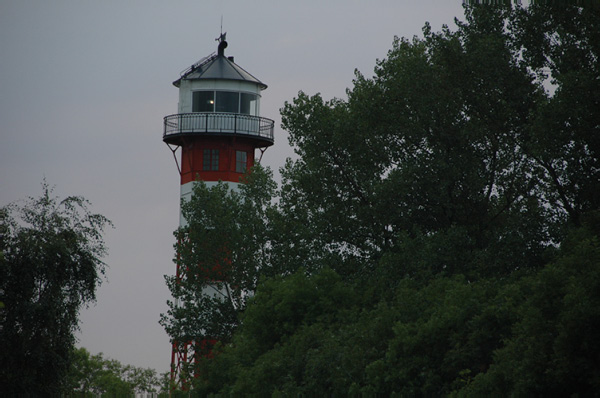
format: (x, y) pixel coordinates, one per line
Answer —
(214, 137)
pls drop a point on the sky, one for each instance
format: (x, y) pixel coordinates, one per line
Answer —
(84, 87)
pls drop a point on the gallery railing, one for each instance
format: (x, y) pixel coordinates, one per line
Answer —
(218, 123)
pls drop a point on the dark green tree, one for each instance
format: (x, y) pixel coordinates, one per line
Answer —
(429, 148)
(95, 374)
(221, 252)
(285, 342)
(560, 42)
(552, 349)
(444, 219)
(50, 268)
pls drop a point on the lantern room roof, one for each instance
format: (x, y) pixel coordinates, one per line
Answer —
(218, 67)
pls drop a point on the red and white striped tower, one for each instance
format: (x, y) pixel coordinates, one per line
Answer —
(218, 128)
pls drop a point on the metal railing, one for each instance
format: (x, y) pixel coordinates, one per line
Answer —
(198, 64)
(218, 123)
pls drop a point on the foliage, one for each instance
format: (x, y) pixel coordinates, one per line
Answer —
(532, 335)
(213, 285)
(561, 44)
(94, 374)
(305, 335)
(50, 267)
(437, 234)
(283, 330)
(428, 147)
(553, 349)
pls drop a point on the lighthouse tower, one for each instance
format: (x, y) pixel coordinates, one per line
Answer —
(217, 130)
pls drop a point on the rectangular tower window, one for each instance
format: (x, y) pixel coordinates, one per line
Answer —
(210, 160)
(203, 101)
(241, 161)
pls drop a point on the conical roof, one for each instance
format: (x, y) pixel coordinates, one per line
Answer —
(218, 67)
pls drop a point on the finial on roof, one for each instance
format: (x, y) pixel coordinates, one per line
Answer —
(222, 47)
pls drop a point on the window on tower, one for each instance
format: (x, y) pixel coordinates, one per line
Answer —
(241, 161)
(228, 101)
(210, 160)
(225, 101)
(248, 104)
(203, 101)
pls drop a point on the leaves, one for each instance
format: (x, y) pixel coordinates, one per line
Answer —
(560, 44)
(437, 234)
(221, 253)
(99, 375)
(430, 144)
(51, 266)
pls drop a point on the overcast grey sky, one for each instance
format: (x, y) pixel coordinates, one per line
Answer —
(84, 86)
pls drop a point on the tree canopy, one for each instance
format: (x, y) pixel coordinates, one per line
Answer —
(91, 375)
(50, 267)
(437, 234)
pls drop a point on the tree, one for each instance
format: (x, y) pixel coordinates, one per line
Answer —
(438, 233)
(94, 374)
(455, 160)
(221, 252)
(285, 328)
(428, 147)
(532, 335)
(561, 44)
(552, 349)
(50, 267)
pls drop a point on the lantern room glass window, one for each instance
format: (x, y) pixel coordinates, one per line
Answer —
(203, 101)
(248, 104)
(228, 101)
(225, 102)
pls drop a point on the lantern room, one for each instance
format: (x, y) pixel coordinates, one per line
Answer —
(218, 125)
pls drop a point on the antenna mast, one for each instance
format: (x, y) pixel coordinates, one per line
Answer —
(222, 36)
